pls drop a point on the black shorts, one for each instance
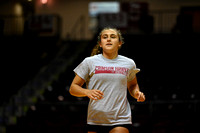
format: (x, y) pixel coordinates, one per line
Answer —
(106, 129)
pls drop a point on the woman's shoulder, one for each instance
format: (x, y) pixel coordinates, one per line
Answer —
(91, 58)
(128, 59)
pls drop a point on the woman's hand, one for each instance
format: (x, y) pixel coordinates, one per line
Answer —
(139, 96)
(94, 94)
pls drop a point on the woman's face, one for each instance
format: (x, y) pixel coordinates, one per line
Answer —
(110, 41)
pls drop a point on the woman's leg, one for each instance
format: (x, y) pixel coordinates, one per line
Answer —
(119, 130)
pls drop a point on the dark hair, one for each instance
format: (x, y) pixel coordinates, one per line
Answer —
(97, 49)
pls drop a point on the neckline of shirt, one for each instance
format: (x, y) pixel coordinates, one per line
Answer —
(101, 55)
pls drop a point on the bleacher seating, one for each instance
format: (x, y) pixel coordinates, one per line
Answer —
(167, 77)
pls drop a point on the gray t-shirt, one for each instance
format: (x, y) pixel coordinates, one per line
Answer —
(111, 77)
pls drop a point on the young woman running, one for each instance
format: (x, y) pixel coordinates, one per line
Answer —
(107, 76)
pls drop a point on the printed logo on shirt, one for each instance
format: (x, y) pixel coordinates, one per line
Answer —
(113, 70)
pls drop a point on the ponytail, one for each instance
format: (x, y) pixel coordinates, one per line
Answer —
(96, 50)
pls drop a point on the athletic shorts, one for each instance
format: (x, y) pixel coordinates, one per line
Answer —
(106, 129)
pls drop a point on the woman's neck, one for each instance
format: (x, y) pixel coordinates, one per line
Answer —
(110, 55)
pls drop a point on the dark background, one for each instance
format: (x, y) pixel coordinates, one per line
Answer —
(38, 70)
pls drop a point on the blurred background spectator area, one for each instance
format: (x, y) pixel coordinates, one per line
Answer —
(82, 19)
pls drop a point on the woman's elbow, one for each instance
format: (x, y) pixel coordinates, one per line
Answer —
(71, 90)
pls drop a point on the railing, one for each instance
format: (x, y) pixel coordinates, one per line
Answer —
(12, 24)
(164, 21)
(78, 30)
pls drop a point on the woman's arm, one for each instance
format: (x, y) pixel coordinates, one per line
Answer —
(77, 90)
(134, 90)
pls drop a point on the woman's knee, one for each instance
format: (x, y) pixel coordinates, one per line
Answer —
(119, 130)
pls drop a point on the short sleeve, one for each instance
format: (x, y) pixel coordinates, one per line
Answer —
(82, 70)
(133, 71)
